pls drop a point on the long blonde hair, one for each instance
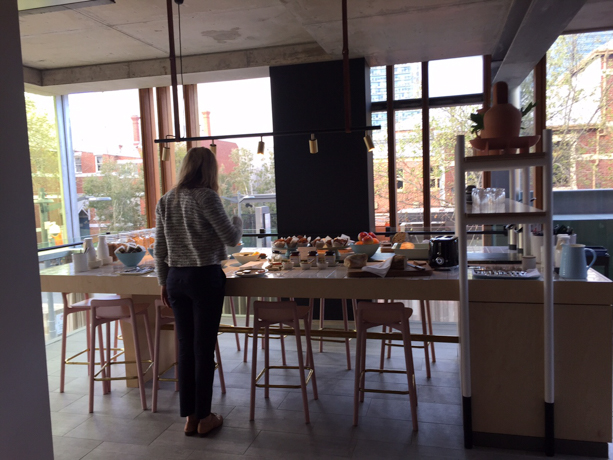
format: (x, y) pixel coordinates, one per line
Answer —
(198, 170)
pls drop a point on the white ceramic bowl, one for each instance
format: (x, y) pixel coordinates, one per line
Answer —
(244, 257)
(368, 249)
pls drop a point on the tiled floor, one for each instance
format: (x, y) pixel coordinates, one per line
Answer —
(119, 429)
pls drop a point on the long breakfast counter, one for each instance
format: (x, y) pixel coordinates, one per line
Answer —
(506, 341)
(333, 283)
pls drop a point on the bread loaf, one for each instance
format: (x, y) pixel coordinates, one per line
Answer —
(355, 260)
(399, 237)
(398, 262)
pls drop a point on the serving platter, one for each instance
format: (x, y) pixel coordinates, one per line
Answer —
(251, 273)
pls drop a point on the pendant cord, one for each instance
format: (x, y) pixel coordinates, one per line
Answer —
(180, 44)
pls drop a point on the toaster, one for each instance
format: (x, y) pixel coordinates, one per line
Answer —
(444, 252)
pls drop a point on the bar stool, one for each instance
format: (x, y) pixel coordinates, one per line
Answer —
(164, 321)
(322, 307)
(426, 325)
(77, 307)
(247, 335)
(394, 316)
(105, 311)
(289, 313)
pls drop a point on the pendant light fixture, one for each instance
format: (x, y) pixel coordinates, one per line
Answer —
(213, 147)
(313, 144)
(369, 144)
(261, 146)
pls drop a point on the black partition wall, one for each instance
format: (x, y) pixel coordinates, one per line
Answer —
(330, 192)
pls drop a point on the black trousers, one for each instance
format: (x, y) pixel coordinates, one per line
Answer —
(196, 295)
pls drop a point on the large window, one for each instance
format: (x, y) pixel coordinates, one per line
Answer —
(47, 181)
(580, 110)
(246, 179)
(456, 79)
(109, 175)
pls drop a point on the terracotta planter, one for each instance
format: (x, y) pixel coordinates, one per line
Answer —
(502, 120)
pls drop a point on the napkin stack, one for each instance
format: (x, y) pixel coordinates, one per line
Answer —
(379, 269)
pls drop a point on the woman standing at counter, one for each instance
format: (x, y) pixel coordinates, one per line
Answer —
(192, 231)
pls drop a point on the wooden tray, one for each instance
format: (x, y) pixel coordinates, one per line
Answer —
(408, 272)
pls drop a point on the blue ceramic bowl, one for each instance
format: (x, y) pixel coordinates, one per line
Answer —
(130, 259)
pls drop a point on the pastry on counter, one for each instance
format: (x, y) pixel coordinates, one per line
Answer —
(355, 260)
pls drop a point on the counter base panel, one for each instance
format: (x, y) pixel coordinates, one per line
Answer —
(536, 444)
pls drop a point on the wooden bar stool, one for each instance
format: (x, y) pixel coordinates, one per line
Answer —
(289, 313)
(77, 307)
(247, 335)
(105, 311)
(394, 316)
(164, 320)
(321, 340)
(428, 347)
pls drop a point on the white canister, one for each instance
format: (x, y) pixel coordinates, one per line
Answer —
(103, 250)
(88, 248)
(79, 262)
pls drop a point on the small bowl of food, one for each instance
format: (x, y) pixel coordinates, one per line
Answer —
(244, 257)
(368, 249)
(131, 255)
(305, 264)
(322, 265)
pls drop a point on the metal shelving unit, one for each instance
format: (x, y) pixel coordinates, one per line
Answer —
(515, 212)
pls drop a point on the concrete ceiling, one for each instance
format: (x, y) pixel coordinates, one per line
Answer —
(125, 45)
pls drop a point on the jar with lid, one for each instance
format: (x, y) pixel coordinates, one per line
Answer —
(313, 258)
(295, 258)
(330, 257)
(276, 256)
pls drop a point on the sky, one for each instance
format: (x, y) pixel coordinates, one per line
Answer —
(103, 120)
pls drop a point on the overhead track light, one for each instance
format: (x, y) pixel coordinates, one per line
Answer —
(261, 147)
(313, 144)
(213, 147)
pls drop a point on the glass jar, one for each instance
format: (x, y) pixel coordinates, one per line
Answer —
(330, 257)
(295, 258)
(313, 258)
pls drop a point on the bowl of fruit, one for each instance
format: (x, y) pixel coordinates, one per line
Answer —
(367, 243)
(130, 255)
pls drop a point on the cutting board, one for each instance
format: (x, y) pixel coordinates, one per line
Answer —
(408, 272)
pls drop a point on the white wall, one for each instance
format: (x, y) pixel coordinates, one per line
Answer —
(25, 422)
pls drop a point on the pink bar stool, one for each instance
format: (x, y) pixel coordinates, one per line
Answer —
(164, 320)
(83, 306)
(394, 316)
(246, 348)
(105, 311)
(428, 347)
(289, 313)
(322, 307)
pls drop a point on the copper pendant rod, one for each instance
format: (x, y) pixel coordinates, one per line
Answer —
(173, 68)
(346, 80)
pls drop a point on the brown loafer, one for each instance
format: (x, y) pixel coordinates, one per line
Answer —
(191, 427)
(209, 423)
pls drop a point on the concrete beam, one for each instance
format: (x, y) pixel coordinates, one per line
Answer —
(544, 22)
(156, 72)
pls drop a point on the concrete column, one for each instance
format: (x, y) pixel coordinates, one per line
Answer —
(25, 422)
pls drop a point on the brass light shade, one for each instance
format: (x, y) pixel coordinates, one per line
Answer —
(313, 148)
(261, 147)
(213, 147)
(368, 141)
(164, 152)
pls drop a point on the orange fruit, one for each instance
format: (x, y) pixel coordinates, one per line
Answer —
(358, 242)
(375, 241)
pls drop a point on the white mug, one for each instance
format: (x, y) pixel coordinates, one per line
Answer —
(528, 263)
